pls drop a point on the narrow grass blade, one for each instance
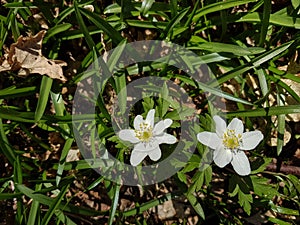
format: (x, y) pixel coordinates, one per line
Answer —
(56, 30)
(35, 208)
(83, 27)
(62, 159)
(173, 23)
(286, 87)
(267, 111)
(86, 164)
(147, 24)
(63, 218)
(281, 124)
(214, 7)
(278, 20)
(60, 109)
(265, 22)
(34, 138)
(43, 199)
(5, 147)
(145, 206)
(263, 81)
(230, 48)
(103, 25)
(256, 62)
(18, 179)
(114, 204)
(54, 205)
(95, 183)
(7, 196)
(43, 98)
(19, 5)
(146, 6)
(13, 91)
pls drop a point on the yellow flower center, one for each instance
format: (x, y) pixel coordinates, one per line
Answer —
(144, 134)
(231, 140)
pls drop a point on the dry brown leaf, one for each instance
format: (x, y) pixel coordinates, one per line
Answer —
(25, 57)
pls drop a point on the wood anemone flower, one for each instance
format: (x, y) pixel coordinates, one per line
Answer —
(147, 137)
(229, 144)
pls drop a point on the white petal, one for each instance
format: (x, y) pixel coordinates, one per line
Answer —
(137, 157)
(220, 125)
(251, 139)
(128, 135)
(222, 156)
(168, 123)
(209, 139)
(241, 163)
(146, 147)
(150, 117)
(161, 126)
(137, 121)
(155, 154)
(166, 138)
(236, 125)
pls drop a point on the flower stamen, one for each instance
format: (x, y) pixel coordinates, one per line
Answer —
(144, 134)
(231, 140)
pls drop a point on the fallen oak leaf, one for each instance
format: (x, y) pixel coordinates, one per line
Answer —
(25, 57)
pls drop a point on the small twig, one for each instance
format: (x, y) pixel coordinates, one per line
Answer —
(286, 169)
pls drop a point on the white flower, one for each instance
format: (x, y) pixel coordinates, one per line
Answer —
(229, 144)
(147, 137)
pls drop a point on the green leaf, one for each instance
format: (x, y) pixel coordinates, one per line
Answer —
(296, 4)
(196, 205)
(295, 182)
(283, 210)
(278, 221)
(260, 165)
(245, 200)
(263, 187)
(146, 6)
(164, 103)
